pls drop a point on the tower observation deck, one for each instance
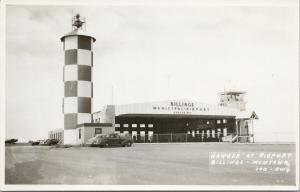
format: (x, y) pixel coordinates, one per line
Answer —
(233, 99)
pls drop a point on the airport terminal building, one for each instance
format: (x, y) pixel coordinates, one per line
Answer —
(162, 121)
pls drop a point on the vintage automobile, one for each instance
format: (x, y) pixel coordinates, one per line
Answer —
(113, 139)
(47, 142)
(11, 141)
(35, 143)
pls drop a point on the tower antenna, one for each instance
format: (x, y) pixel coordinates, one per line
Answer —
(84, 20)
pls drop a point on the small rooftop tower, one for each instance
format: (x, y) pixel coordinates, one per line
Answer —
(78, 86)
(233, 99)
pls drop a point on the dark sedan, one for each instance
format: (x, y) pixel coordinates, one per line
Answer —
(113, 139)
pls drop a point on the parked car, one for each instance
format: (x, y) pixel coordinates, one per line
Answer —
(11, 141)
(113, 139)
(49, 142)
(35, 143)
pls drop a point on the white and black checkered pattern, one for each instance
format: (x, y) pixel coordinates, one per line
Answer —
(78, 86)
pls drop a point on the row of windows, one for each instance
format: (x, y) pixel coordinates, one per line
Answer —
(57, 136)
(151, 125)
(135, 133)
(224, 121)
(97, 120)
(135, 125)
(218, 121)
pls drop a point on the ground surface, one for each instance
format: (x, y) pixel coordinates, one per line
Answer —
(141, 164)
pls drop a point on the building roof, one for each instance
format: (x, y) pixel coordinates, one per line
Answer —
(76, 32)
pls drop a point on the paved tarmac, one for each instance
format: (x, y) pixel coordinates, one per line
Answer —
(142, 164)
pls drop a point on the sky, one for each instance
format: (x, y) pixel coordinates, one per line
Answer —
(157, 52)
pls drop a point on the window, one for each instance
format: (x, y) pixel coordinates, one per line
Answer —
(150, 133)
(213, 133)
(98, 131)
(150, 125)
(79, 133)
(208, 133)
(224, 121)
(207, 122)
(193, 133)
(142, 133)
(142, 125)
(117, 125)
(225, 131)
(218, 121)
(134, 125)
(125, 125)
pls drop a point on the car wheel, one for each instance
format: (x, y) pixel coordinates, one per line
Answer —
(129, 144)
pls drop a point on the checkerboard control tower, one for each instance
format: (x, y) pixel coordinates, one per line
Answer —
(78, 86)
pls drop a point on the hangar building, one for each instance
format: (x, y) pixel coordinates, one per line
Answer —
(182, 120)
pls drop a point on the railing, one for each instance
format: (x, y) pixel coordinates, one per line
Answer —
(177, 137)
